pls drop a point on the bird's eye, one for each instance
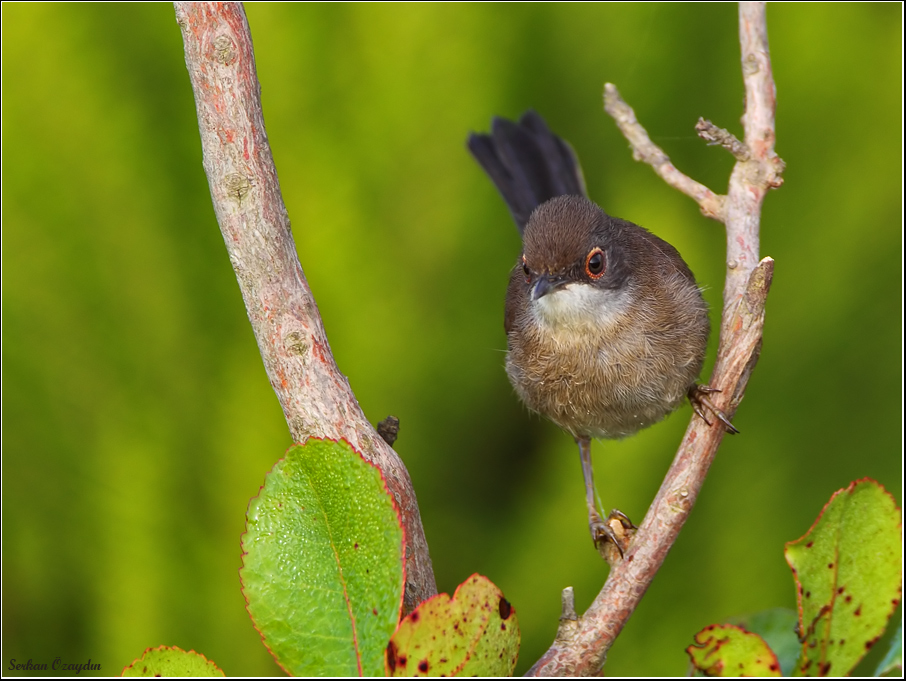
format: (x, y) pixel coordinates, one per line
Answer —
(525, 268)
(595, 263)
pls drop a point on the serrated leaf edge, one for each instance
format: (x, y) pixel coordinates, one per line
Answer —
(399, 520)
(176, 648)
(849, 489)
(449, 598)
(720, 627)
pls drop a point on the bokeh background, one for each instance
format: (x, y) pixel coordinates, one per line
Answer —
(137, 417)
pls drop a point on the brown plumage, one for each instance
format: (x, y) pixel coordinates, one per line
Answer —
(618, 366)
(606, 327)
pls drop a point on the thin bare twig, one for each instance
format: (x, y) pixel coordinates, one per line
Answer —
(715, 135)
(316, 398)
(643, 149)
(581, 647)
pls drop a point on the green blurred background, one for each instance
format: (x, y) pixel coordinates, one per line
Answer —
(137, 417)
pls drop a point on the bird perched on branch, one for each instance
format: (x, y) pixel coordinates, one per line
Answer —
(606, 326)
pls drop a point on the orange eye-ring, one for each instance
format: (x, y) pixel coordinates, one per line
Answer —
(525, 268)
(595, 263)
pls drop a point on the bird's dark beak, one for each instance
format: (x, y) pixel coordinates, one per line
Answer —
(546, 284)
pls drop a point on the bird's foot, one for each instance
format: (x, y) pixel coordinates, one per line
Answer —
(611, 537)
(698, 397)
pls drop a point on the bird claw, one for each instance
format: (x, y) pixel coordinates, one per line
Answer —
(611, 537)
(698, 397)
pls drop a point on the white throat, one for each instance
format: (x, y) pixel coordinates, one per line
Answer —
(579, 304)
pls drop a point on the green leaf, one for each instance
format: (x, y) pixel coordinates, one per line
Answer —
(728, 650)
(848, 578)
(777, 627)
(892, 664)
(172, 661)
(474, 633)
(323, 564)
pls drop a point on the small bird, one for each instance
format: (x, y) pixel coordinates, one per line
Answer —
(606, 326)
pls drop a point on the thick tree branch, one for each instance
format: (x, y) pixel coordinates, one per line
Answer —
(581, 646)
(316, 398)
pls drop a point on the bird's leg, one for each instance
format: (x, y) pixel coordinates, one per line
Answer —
(698, 398)
(616, 532)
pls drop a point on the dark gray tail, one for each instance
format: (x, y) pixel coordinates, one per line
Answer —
(527, 163)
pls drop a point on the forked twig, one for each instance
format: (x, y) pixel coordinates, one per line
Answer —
(581, 645)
